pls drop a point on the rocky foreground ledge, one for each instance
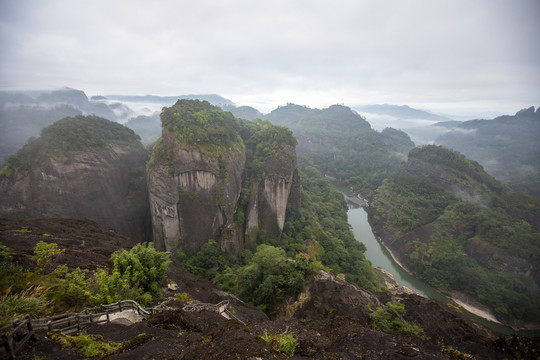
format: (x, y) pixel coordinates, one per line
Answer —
(329, 320)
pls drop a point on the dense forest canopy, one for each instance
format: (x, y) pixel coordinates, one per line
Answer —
(342, 144)
(198, 123)
(459, 229)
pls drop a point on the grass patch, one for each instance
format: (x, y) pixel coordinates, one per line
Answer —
(88, 345)
(23, 230)
(91, 345)
(456, 354)
(29, 302)
(284, 342)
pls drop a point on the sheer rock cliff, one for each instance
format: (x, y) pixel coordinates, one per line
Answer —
(194, 197)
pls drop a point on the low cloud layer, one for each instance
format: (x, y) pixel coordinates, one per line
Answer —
(452, 56)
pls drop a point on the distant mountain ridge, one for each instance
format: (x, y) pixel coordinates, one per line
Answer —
(402, 111)
(507, 147)
(343, 145)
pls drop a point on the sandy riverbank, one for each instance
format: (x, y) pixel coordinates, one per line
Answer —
(394, 257)
(462, 300)
(473, 306)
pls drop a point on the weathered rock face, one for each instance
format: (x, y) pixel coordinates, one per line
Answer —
(104, 185)
(212, 176)
(197, 198)
(268, 204)
(194, 197)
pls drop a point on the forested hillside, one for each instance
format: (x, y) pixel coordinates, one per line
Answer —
(459, 229)
(24, 114)
(342, 144)
(508, 147)
(69, 135)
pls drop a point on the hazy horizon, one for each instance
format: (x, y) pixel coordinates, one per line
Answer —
(457, 58)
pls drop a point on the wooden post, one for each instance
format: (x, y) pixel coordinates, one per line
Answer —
(30, 327)
(8, 344)
(16, 332)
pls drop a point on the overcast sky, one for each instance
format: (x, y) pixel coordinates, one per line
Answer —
(452, 57)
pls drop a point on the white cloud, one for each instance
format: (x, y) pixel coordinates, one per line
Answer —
(446, 56)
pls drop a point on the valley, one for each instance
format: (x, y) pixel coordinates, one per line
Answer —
(244, 211)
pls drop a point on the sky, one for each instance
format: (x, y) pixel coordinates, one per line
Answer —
(447, 56)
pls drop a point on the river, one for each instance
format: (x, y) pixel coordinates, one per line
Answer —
(379, 256)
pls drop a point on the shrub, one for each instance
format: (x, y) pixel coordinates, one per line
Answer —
(137, 275)
(5, 257)
(390, 318)
(44, 252)
(183, 297)
(287, 343)
(284, 342)
(142, 267)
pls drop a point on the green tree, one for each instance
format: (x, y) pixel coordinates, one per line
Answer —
(142, 266)
(208, 261)
(44, 252)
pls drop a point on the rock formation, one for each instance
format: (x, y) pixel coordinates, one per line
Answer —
(103, 182)
(199, 170)
(268, 203)
(198, 200)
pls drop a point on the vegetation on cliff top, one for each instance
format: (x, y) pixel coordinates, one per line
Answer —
(21, 122)
(262, 140)
(70, 135)
(198, 123)
(482, 240)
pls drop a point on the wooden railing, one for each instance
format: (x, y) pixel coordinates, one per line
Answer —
(16, 335)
